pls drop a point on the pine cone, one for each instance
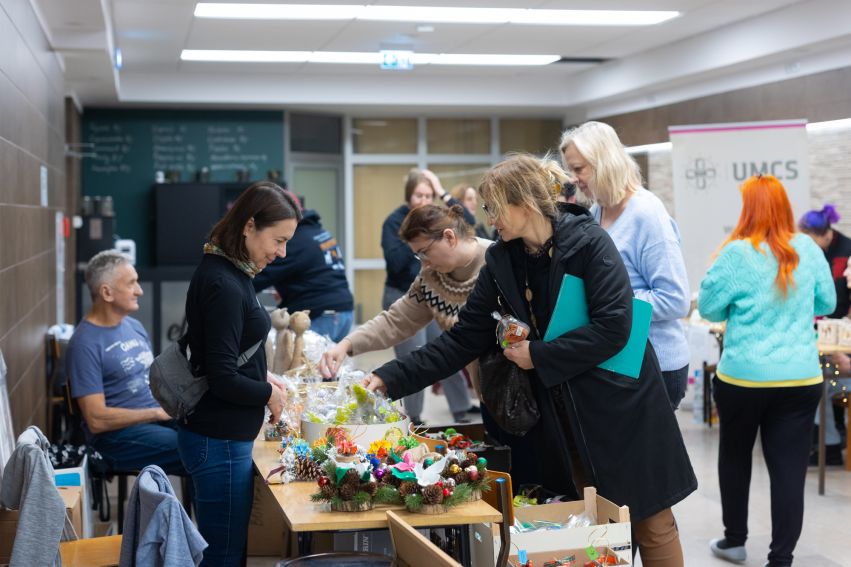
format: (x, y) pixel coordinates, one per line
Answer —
(453, 461)
(347, 491)
(307, 469)
(466, 463)
(433, 494)
(392, 480)
(370, 487)
(351, 477)
(407, 488)
(461, 478)
(327, 491)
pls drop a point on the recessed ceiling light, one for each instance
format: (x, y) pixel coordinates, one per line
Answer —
(434, 14)
(353, 57)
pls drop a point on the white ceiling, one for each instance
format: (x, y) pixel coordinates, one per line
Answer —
(712, 47)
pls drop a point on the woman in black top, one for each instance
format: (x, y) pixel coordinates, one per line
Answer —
(227, 325)
(597, 428)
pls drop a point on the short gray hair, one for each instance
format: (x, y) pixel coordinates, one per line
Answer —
(100, 269)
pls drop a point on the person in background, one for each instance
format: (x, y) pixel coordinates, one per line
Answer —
(567, 193)
(422, 187)
(451, 257)
(596, 428)
(837, 249)
(226, 323)
(107, 363)
(465, 194)
(818, 225)
(313, 277)
(768, 283)
(646, 236)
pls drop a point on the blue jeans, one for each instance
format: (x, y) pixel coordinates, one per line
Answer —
(676, 382)
(223, 478)
(333, 325)
(137, 446)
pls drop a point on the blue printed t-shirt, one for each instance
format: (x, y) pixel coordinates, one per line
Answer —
(113, 361)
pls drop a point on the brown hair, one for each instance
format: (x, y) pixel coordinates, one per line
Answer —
(430, 221)
(460, 191)
(414, 178)
(523, 180)
(266, 203)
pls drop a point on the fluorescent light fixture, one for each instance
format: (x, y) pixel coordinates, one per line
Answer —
(366, 58)
(228, 55)
(843, 124)
(482, 59)
(649, 148)
(276, 11)
(434, 14)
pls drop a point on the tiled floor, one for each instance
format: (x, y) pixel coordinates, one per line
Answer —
(825, 541)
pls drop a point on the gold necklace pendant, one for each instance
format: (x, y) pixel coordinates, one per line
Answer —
(528, 294)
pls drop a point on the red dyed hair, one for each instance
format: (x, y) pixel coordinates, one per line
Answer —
(767, 217)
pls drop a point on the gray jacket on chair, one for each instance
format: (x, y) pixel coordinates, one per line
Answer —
(157, 531)
(28, 486)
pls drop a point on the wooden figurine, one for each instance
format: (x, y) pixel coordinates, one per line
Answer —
(299, 323)
(283, 341)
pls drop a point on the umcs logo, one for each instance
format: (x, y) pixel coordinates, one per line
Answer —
(780, 169)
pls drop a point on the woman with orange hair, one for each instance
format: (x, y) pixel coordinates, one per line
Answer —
(768, 283)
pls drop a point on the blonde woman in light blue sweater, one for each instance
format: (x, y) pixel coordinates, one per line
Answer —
(768, 283)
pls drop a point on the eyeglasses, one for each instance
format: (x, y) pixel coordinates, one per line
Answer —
(489, 213)
(423, 254)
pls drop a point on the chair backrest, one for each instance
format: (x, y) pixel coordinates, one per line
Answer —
(492, 495)
(412, 548)
(341, 559)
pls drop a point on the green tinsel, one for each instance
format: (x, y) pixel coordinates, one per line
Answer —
(414, 502)
(360, 498)
(388, 495)
(460, 495)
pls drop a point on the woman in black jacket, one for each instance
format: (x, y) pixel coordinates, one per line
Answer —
(597, 427)
(227, 329)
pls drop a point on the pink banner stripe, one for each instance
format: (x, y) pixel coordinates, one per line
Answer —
(735, 128)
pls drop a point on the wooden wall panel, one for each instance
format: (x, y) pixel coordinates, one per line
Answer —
(818, 97)
(32, 136)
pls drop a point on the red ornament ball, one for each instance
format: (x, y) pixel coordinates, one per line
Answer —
(446, 493)
(323, 480)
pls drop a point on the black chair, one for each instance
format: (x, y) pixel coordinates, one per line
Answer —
(100, 495)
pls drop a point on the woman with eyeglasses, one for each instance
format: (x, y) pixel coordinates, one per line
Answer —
(449, 256)
(596, 427)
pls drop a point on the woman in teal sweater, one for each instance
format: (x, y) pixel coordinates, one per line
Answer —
(768, 283)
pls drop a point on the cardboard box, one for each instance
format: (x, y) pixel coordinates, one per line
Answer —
(268, 534)
(9, 520)
(79, 476)
(579, 557)
(613, 530)
(73, 498)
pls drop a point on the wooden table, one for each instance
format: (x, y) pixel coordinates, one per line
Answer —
(304, 516)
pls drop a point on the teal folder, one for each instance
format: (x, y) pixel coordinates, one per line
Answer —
(571, 312)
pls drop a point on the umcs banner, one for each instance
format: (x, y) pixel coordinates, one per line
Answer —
(710, 162)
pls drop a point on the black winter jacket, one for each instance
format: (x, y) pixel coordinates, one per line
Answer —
(627, 437)
(313, 275)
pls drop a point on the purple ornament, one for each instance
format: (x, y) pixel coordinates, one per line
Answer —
(379, 473)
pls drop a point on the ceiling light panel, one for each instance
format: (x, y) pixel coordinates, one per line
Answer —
(434, 14)
(363, 58)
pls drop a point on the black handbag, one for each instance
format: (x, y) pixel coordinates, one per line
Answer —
(507, 393)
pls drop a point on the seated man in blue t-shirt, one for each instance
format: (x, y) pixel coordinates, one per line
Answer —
(107, 366)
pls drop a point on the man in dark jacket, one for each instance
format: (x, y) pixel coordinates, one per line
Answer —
(314, 278)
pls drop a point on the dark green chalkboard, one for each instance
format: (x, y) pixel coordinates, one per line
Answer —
(130, 146)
